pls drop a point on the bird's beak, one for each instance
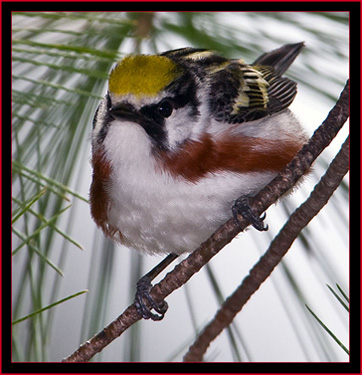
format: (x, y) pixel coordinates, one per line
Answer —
(124, 112)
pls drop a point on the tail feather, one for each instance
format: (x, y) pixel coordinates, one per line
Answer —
(281, 58)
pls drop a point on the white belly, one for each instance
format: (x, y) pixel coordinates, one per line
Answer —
(175, 216)
(157, 213)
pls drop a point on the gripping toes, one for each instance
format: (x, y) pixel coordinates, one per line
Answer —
(241, 207)
(143, 293)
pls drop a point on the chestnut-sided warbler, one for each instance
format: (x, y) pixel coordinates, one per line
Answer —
(180, 136)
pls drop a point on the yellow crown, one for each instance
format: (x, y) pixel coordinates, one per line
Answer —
(142, 75)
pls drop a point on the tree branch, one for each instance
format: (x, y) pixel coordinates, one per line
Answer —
(272, 257)
(196, 260)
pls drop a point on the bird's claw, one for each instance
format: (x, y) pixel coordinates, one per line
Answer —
(241, 207)
(144, 287)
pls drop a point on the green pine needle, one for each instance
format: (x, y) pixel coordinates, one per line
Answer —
(48, 307)
(339, 298)
(328, 330)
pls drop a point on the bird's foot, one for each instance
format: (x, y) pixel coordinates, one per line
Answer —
(144, 287)
(241, 207)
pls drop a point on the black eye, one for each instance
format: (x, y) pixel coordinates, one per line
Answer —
(165, 108)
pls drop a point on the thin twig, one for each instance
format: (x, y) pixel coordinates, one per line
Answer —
(272, 257)
(196, 260)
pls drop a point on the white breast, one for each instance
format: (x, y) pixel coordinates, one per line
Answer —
(158, 213)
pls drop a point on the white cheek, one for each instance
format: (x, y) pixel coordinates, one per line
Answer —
(183, 124)
(101, 113)
(178, 127)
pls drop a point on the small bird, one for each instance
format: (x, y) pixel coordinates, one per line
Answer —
(181, 136)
